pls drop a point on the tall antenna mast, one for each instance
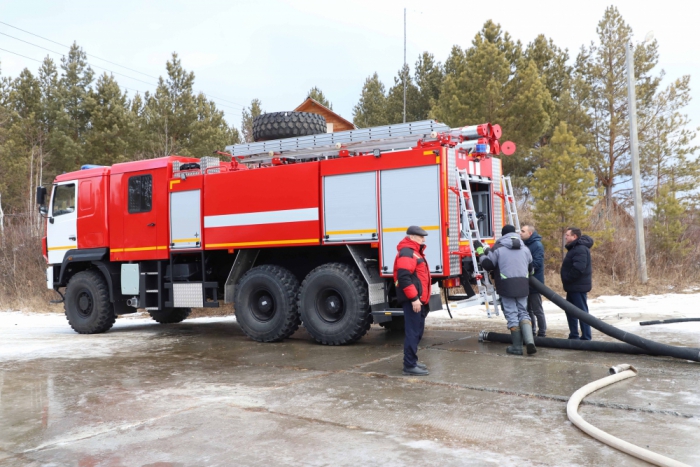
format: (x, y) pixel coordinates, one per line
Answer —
(404, 65)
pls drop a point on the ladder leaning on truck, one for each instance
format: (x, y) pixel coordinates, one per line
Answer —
(295, 230)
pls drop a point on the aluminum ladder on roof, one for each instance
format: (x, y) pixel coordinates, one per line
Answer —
(509, 199)
(470, 230)
(383, 138)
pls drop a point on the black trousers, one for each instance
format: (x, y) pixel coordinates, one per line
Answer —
(415, 324)
(534, 309)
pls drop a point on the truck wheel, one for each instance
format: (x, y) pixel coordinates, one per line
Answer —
(265, 303)
(334, 304)
(170, 315)
(279, 125)
(87, 304)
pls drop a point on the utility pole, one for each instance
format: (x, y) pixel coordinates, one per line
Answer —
(636, 178)
(404, 65)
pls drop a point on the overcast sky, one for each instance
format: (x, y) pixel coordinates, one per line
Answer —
(277, 50)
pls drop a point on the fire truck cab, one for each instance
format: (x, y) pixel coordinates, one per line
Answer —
(292, 231)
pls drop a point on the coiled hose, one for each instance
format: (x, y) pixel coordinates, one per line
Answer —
(617, 373)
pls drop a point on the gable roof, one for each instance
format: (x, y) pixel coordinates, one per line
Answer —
(313, 106)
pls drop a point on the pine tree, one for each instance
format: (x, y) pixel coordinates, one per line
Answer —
(428, 78)
(604, 67)
(395, 99)
(493, 82)
(249, 114)
(171, 111)
(113, 125)
(316, 94)
(371, 109)
(75, 83)
(668, 154)
(562, 188)
(667, 229)
(210, 132)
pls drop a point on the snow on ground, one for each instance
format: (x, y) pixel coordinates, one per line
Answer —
(615, 309)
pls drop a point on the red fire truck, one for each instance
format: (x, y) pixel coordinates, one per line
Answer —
(295, 230)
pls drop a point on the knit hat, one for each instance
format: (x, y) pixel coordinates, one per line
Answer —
(507, 229)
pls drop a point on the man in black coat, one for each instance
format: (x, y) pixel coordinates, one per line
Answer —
(577, 278)
(533, 241)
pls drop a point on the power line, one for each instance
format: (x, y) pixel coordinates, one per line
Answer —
(105, 60)
(67, 46)
(96, 66)
(121, 86)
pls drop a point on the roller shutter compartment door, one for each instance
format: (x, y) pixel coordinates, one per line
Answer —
(350, 207)
(411, 197)
(185, 219)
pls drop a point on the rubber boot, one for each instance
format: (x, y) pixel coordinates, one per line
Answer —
(517, 347)
(526, 330)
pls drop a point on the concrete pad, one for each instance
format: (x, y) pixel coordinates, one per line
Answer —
(201, 393)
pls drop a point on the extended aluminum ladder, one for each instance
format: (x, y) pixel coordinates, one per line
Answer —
(509, 199)
(470, 230)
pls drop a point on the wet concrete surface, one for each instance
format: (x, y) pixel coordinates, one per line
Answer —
(201, 393)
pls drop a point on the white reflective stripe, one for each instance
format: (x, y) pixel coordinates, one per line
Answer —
(477, 167)
(263, 217)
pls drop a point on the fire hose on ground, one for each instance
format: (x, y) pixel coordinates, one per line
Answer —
(635, 342)
(617, 373)
(668, 321)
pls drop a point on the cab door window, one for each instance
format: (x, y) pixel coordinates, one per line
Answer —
(63, 200)
(140, 193)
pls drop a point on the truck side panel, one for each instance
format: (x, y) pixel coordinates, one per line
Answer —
(276, 206)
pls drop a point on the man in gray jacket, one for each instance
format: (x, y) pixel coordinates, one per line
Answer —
(511, 262)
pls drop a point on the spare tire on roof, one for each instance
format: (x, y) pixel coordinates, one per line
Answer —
(280, 125)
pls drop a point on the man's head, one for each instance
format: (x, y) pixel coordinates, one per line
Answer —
(507, 229)
(526, 231)
(416, 234)
(572, 234)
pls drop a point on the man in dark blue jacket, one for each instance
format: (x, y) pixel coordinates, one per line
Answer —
(577, 278)
(533, 241)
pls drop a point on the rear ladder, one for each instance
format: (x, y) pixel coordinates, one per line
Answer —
(470, 230)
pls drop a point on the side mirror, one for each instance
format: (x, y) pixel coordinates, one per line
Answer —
(43, 209)
(40, 195)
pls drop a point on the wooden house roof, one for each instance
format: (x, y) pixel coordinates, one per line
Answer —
(313, 106)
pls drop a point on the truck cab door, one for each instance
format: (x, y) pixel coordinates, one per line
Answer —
(62, 227)
(141, 218)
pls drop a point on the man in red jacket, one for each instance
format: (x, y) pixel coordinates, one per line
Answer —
(412, 280)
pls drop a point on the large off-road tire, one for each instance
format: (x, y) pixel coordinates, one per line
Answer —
(334, 304)
(87, 304)
(265, 303)
(280, 125)
(170, 315)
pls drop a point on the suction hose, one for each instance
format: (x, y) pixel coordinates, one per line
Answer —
(569, 344)
(651, 347)
(667, 321)
(617, 373)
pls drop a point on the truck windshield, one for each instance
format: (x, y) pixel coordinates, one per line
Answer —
(63, 199)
